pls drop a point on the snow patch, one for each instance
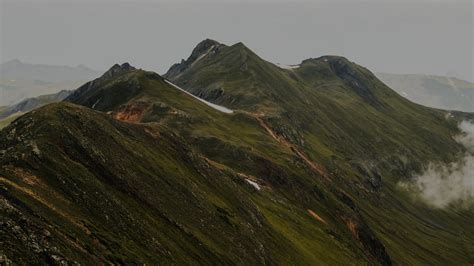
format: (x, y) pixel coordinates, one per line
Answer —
(203, 55)
(215, 106)
(287, 66)
(93, 106)
(254, 184)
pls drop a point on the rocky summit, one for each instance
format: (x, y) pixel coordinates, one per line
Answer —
(304, 169)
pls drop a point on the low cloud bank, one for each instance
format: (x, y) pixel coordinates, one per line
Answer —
(442, 185)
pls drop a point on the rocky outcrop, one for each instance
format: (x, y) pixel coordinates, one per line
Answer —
(206, 47)
(117, 69)
(91, 94)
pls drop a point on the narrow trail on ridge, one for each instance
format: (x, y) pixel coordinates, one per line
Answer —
(315, 167)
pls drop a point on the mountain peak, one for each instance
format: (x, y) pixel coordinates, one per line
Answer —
(93, 94)
(14, 62)
(327, 58)
(202, 49)
(240, 44)
(118, 69)
(206, 44)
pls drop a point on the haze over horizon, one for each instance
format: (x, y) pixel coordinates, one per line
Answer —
(402, 38)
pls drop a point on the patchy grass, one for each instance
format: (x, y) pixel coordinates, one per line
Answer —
(6, 121)
(167, 185)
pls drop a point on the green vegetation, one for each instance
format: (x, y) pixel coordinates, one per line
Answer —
(6, 121)
(32, 103)
(132, 170)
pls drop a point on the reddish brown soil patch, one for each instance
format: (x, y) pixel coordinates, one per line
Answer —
(317, 217)
(353, 227)
(25, 176)
(319, 169)
(133, 112)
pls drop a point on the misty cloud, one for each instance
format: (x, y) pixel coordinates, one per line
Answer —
(442, 185)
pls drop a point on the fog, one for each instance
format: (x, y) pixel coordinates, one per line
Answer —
(442, 185)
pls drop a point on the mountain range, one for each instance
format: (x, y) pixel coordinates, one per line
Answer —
(32, 103)
(434, 91)
(229, 159)
(19, 80)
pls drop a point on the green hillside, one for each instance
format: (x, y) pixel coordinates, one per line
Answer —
(131, 170)
(32, 103)
(7, 120)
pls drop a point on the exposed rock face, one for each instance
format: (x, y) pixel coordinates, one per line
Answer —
(117, 69)
(92, 94)
(132, 113)
(346, 72)
(204, 48)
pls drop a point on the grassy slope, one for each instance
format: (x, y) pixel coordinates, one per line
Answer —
(400, 138)
(174, 186)
(89, 171)
(6, 121)
(31, 103)
(69, 127)
(18, 90)
(366, 134)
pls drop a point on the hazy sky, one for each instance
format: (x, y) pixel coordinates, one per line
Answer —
(385, 36)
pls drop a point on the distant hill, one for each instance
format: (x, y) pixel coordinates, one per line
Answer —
(33, 103)
(434, 91)
(7, 120)
(20, 80)
(15, 69)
